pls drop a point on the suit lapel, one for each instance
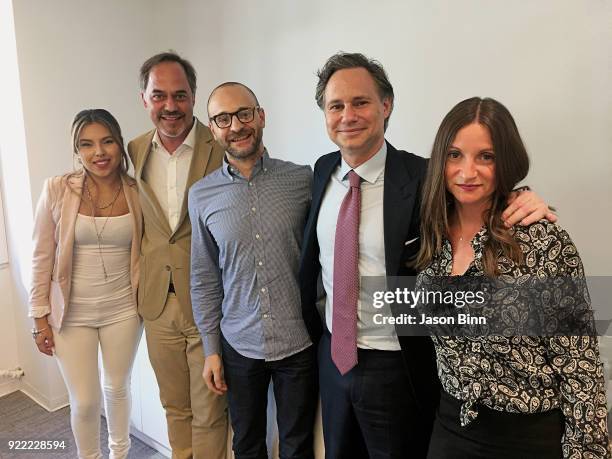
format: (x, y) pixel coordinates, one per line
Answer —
(320, 181)
(147, 196)
(71, 202)
(199, 161)
(400, 191)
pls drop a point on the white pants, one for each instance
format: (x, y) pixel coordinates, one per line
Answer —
(76, 350)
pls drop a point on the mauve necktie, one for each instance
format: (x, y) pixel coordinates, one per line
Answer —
(346, 279)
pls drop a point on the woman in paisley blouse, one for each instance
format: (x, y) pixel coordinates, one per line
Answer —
(503, 396)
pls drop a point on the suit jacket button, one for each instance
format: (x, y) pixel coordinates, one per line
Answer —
(168, 268)
(172, 241)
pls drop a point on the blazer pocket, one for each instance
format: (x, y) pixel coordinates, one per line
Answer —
(411, 241)
(410, 252)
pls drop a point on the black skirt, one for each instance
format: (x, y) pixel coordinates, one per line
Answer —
(495, 434)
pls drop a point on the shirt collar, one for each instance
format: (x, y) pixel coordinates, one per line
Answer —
(189, 140)
(369, 171)
(262, 164)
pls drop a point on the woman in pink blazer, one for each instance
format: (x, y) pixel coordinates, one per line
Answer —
(87, 233)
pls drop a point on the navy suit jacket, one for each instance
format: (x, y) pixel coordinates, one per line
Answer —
(404, 175)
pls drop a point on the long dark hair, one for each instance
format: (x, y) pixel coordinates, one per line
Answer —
(511, 166)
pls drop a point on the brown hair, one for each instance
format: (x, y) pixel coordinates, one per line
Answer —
(168, 56)
(341, 61)
(511, 166)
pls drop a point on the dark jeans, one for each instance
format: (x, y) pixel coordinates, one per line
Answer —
(370, 412)
(295, 389)
(495, 434)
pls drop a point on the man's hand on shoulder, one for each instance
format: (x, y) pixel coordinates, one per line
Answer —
(213, 374)
(525, 208)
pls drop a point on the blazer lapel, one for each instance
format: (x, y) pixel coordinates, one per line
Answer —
(320, 181)
(68, 215)
(199, 161)
(147, 196)
(400, 193)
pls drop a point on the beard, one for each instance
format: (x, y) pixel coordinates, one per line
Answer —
(257, 136)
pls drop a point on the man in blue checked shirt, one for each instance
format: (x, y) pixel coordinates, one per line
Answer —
(247, 220)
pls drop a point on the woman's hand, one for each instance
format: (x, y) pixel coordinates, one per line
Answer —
(44, 340)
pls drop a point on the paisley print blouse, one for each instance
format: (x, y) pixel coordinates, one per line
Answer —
(528, 374)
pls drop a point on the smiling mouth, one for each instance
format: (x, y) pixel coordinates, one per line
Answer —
(351, 131)
(468, 187)
(242, 138)
(173, 117)
(101, 162)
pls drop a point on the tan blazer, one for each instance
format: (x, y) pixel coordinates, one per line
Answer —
(165, 254)
(53, 240)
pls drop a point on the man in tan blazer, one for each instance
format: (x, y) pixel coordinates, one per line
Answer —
(167, 161)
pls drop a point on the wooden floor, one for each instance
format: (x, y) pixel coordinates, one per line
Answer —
(23, 419)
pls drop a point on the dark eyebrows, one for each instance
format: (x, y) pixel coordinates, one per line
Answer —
(353, 100)
(233, 113)
(484, 150)
(333, 101)
(103, 139)
(159, 91)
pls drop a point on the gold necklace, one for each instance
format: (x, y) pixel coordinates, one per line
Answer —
(112, 203)
(93, 218)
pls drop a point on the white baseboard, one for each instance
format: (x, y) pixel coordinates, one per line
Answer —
(149, 441)
(9, 386)
(49, 404)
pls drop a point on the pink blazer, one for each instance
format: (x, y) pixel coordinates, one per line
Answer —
(53, 241)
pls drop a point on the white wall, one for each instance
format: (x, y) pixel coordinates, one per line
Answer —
(8, 337)
(548, 61)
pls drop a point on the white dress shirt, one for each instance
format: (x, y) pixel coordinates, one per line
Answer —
(167, 174)
(371, 245)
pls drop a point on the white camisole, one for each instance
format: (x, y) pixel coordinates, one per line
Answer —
(94, 301)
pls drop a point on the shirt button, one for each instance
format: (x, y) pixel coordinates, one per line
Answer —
(257, 236)
(260, 263)
(263, 290)
(250, 183)
(266, 316)
(253, 209)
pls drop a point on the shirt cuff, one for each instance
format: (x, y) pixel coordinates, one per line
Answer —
(36, 312)
(212, 345)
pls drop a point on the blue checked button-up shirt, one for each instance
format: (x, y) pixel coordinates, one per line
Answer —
(245, 248)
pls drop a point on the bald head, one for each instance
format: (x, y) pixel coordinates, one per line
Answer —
(229, 88)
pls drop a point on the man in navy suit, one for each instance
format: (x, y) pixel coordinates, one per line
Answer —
(379, 391)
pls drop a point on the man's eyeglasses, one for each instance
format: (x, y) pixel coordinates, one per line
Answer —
(244, 115)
